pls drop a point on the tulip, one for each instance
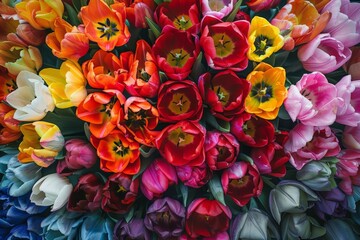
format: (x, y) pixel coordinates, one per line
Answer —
(241, 182)
(17, 58)
(51, 190)
(264, 39)
(318, 175)
(300, 22)
(352, 66)
(225, 44)
(252, 131)
(336, 227)
(96, 226)
(348, 170)
(67, 41)
(344, 23)
(182, 144)
(213, 216)
(79, 154)
(300, 225)
(140, 117)
(176, 59)
(290, 197)
(179, 14)
(313, 100)
(138, 10)
(26, 35)
(349, 92)
(218, 9)
(267, 92)
(351, 137)
(225, 93)
(254, 224)
(307, 143)
(221, 150)
(134, 229)
(22, 176)
(32, 99)
(143, 79)
(66, 85)
(41, 143)
(105, 24)
(194, 177)
(332, 203)
(41, 14)
(157, 178)
(119, 193)
(262, 5)
(165, 217)
(7, 83)
(179, 101)
(9, 127)
(86, 195)
(324, 54)
(106, 71)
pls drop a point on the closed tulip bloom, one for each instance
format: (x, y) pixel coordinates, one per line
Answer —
(348, 170)
(79, 154)
(32, 99)
(27, 35)
(332, 203)
(157, 178)
(324, 54)
(134, 229)
(196, 176)
(51, 190)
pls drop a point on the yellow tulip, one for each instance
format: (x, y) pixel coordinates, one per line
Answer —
(41, 143)
(66, 85)
(264, 39)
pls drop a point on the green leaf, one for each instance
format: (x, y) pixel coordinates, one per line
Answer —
(129, 215)
(280, 58)
(145, 162)
(184, 193)
(198, 68)
(72, 14)
(216, 189)
(146, 152)
(158, 2)
(283, 114)
(154, 27)
(221, 125)
(244, 157)
(233, 13)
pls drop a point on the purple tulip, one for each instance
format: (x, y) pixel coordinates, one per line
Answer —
(131, 230)
(332, 203)
(166, 217)
(324, 54)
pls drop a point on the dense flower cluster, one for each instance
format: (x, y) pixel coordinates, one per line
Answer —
(197, 119)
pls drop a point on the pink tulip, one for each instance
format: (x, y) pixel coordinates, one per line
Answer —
(324, 54)
(344, 24)
(313, 100)
(194, 177)
(308, 143)
(349, 92)
(348, 170)
(351, 137)
(352, 66)
(218, 8)
(157, 178)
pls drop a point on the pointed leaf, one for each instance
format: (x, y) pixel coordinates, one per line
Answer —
(216, 189)
(72, 14)
(154, 27)
(233, 13)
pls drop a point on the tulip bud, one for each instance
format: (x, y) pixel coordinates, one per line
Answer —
(79, 154)
(194, 177)
(51, 190)
(300, 226)
(319, 175)
(27, 35)
(253, 224)
(290, 196)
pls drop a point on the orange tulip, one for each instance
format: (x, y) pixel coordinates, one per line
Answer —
(137, 10)
(117, 153)
(9, 127)
(7, 83)
(144, 79)
(301, 20)
(106, 71)
(105, 25)
(26, 35)
(67, 41)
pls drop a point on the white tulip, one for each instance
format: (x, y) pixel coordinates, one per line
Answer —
(32, 99)
(52, 190)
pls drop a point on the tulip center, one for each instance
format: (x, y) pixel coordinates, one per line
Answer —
(180, 138)
(121, 189)
(262, 92)
(143, 75)
(249, 128)
(224, 153)
(241, 184)
(307, 94)
(166, 220)
(182, 22)
(10, 86)
(179, 104)
(177, 57)
(262, 43)
(119, 148)
(223, 44)
(108, 107)
(136, 120)
(222, 94)
(107, 29)
(217, 5)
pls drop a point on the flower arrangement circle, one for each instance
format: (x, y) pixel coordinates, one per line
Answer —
(170, 119)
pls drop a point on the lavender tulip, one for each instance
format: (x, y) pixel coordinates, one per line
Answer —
(332, 203)
(134, 229)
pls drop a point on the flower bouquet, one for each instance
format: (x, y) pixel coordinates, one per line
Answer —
(173, 119)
